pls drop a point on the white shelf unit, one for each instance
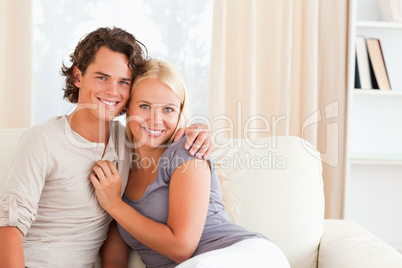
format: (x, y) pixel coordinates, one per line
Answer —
(378, 24)
(373, 181)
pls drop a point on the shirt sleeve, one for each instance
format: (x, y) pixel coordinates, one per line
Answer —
(178, 155)
(23, 187)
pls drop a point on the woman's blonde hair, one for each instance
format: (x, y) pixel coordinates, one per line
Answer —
(170, 76)
(166, 73)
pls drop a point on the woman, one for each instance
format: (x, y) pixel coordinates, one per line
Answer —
(171, 210)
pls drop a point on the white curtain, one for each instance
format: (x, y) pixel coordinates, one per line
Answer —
(175, 30)
(278, 67)
(15, 63)
(34, 41)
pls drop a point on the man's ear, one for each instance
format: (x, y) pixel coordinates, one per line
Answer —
(77, 77)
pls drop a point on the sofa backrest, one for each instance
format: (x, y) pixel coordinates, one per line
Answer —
(279, 190)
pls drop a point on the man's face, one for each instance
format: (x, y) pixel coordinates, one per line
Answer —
(105, 87)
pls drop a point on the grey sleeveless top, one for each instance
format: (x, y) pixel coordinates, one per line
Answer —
(219, 231)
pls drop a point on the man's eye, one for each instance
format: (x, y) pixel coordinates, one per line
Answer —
(124, 83)
(144, 106)
(101, 77)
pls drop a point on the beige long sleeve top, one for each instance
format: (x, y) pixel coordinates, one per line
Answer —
(48, 194)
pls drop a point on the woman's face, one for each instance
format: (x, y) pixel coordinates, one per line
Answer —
(153, 112)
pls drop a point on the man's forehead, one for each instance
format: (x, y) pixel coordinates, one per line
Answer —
(110, 63)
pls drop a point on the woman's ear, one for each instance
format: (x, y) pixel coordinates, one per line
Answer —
(77, 77)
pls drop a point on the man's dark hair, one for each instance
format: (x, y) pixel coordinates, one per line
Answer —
(115, 39)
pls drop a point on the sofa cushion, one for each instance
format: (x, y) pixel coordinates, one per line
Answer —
(278, 184)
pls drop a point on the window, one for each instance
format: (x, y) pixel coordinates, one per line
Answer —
(175, 30)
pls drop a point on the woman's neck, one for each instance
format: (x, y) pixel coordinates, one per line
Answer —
(147, 158)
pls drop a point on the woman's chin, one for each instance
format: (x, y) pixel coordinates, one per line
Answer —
(153, 143)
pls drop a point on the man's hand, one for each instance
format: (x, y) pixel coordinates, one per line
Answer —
(199, 140)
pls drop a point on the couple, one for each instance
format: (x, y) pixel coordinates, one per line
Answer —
(72, 173)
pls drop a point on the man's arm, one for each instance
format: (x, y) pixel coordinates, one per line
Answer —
(20, 195)
(11, 248)
(115, 252)
(198, 141)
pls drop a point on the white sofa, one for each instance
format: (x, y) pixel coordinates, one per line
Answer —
(278, 191)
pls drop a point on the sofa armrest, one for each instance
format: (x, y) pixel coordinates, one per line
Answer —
(347, 244)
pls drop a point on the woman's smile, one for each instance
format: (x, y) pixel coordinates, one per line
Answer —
(153, 114)
(153, 132)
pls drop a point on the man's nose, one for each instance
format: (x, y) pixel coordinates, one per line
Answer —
(112, 89)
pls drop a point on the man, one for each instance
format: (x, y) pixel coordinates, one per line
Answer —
(49, 214)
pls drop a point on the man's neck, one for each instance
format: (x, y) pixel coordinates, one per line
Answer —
(89, 127)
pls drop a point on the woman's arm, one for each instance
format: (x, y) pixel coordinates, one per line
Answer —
(115, 252)
(188, 205)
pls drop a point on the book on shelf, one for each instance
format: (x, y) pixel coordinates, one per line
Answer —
(363, 78)
(357, 76)
(378, 64)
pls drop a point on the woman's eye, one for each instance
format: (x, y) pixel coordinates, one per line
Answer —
(144, 106)
(169, 109)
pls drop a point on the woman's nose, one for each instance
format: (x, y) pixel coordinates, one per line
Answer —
(156, 116)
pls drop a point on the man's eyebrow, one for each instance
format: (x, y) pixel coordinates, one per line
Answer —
(102, 74)
(107, 75)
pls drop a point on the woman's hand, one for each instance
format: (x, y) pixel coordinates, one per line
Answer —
(107, 182)
(199, 140)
